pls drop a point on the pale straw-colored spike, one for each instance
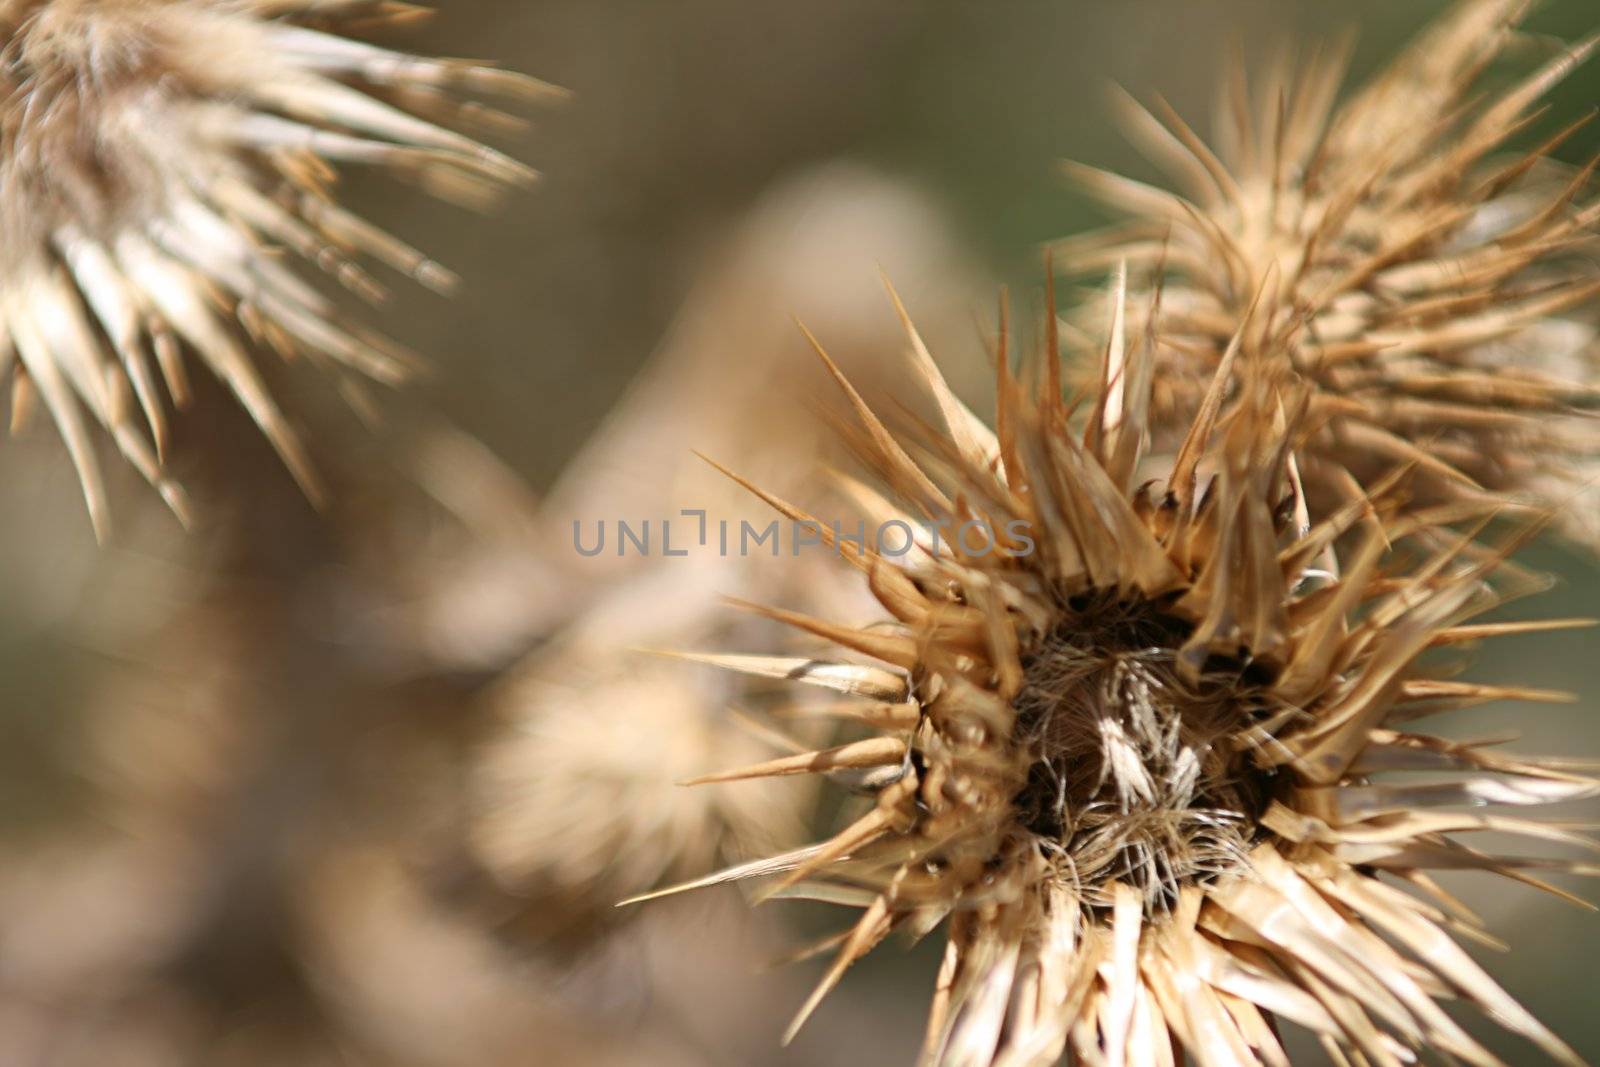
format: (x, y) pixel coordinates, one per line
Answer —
(1256, 1030)
(864, 831)
(976, 1038)
(1125, 194)
(820, 946)
(1385, 832)
(857, 755)
(237, 200)
(1275, 918)
(900, 595)
(827, 893)
(343, 226)
(1500, 118)
(1404, 826)
(1151, 1042)
(1452, 855)
(869, 931)
(1133, 429)
(1326, 750)
(846, 548)
(1356, 802)
(169, 357)
(1122, 974)
(739, 872)
(1317, 543)
(1230, 972)
(102, 387)
(880, 715)
(174, 293)
(387, 364)
(1233, 196)
(1263, 615)
(195, 235)
(872, 682)
(1316, 646)
(1143, 564)
(900, 467)
(315, 50)
(1451, 963)
(1425, 578)
(882, 514)
(54, 321)
(1220, 245)
(1363, 1045)
(271, 133)
(1506, 318)
(315, 99)
(1158, 978)
(1313, 102)
(36, 358)
(1198, 437)
(1113, 367)
(1388, 750)
(943, 986)
(1378, 972)
(1457, 635)
(976, 442)
(1167, 150)
(891, 648)
(117, 310)
(1195, 1015)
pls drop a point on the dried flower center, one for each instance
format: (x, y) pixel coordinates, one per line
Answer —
(1137, 777)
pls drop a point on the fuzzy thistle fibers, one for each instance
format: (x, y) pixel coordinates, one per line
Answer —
(1135, 772)
(1438, 297)
(154, 154)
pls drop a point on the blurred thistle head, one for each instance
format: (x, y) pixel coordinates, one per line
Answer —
(1437, 298)
(1126, 755)
(157, 153)
(575, 800)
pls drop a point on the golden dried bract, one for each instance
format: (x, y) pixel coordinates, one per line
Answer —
(1129, 739)
(157, 155)
(1437, 294)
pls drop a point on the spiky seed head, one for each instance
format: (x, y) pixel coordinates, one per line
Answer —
(1433, 295)
(1128, 758)
(577, 800)
(155, 155)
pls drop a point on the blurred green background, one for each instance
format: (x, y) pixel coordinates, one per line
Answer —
(685, 114)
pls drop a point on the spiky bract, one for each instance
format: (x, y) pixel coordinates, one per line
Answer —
(1432, 294)
(153, 153)
(1127, 756)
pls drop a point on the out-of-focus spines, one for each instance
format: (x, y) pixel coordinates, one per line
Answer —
(157, 152)
(1435, 297)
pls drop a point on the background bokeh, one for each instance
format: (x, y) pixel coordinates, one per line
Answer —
(221, 795)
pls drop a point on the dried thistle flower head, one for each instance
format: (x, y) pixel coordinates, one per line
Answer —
(155, 151)
(577, 802)
(1433, 296)
(1127, 753)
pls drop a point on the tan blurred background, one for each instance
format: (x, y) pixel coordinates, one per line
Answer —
(232, 776)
